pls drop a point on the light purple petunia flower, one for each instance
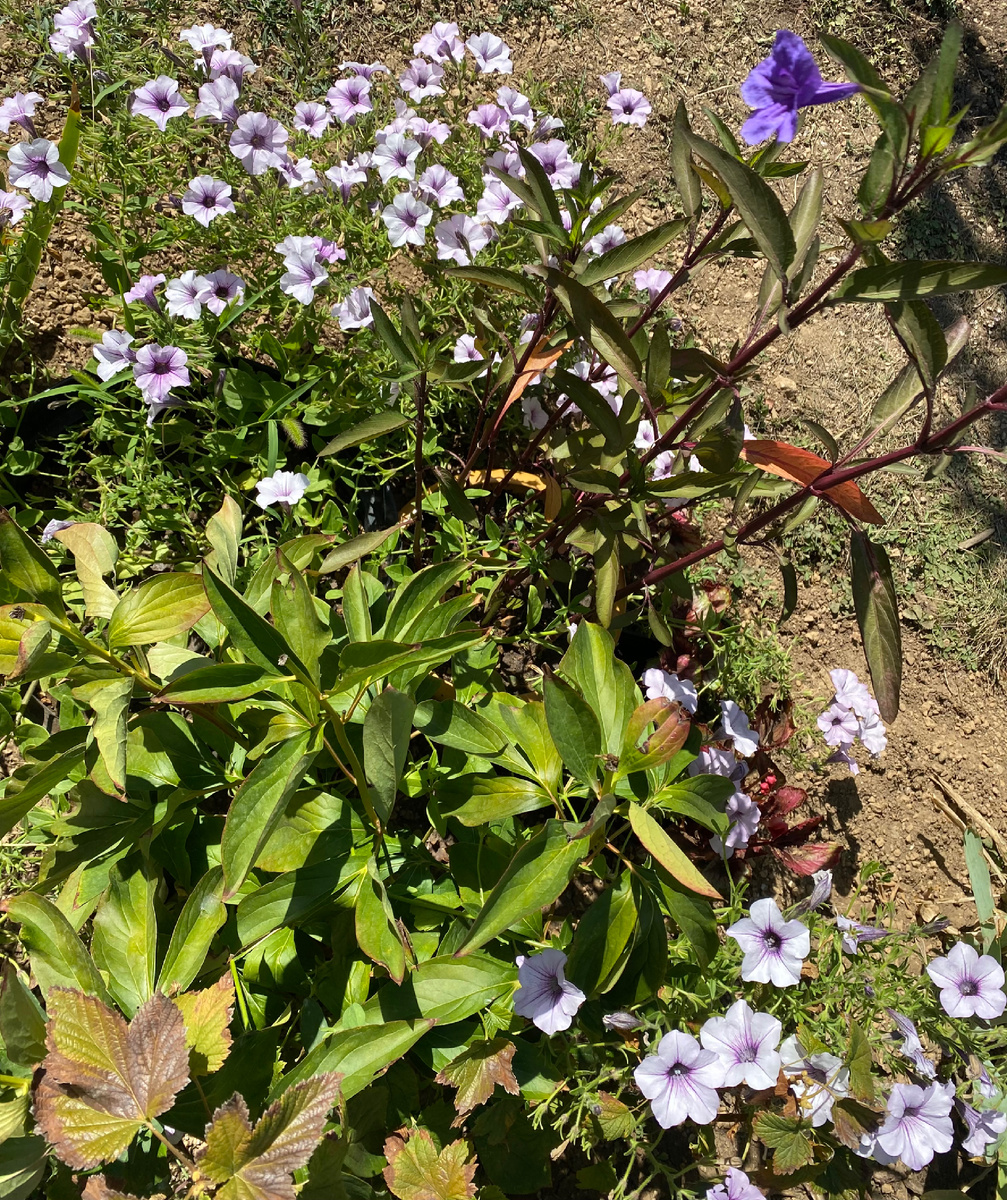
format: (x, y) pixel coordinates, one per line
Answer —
(744, 816)
(610, 237)
(629, 107)
(158, 369)
(258, 141)
(19, 110)
(497, 202)
(507, 161)
(205, 37)
(74, 30)
(680, 1081)
(345, 176)
(113, 354)
(971, 984)
(817, 1080)
(466, 350)
(737, 728)
(659, 683)
(517, 106)
(918, 1124)
(438, 185)
(490, 120)
(872, 733)
(774, 949)
(364, 70)
(142, 292)
(12, 208)
(736, 1186)
(355, 311)
(561, 169)
(207, 198)
(282, 487)
(232, 64)
(218, 101)
(713, 761)
(298, 173)
(984, 1128)
(746, 1043)
(406, 219)
(421, 79)
(35, 167)
(425, 131)
(349, 98)
(224, 289)
(159, 100)
(546, 997)
(854, 933)
(781, 84)
(53, 527)
(303, 275)
(820, 893)
(490, 53)
(912, 1047)
(851, 693)
(184, 296)
(311, 118)
(611, 82)
(442, 43)
(295, 246)
(838, 725)
(460, 238)
(652, 281)
(396, 157)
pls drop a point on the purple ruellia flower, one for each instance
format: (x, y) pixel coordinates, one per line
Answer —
(659, 683)
(971, 984)
(142, 292)
(983, 1128)
(562, 170)
(746, 1043)
(53, 527)
(854, 933)
(629, 107)
(546, 997)
(355, 311)
(442, 43)
(737, 728)
(19, 110)
(311, 118)
(460, 238)
(218, 101)
(12, 208)
(113, 354)
(158, 369)
(817, 1080)
(438, 185)
(774, 948)
(490, 120)
(744, 816)
(736, 1186)
(533, 414)
(781, 84)
(364, 70)
(297, 173)
(517, 106)
(652, 281)
(912, 1047)
(282, 487)
(918, 1124)
(224, 289)
(851, 693)
(259, 141)
(207, 198)
(232, 64)
(159, 100)
(610, 237)
(74, 30)
(406, 219)
(497, 202)
(680, 1081)
(421, 79)
(35, 167)
(303, 275)
(490, 53)
(853, 714)
(396, 157)
(838, 725)
(184, 296)
(349, 98)
(345, 176)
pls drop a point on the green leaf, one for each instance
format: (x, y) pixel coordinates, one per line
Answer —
(631, 254)
(498, 278)
(606, 580)
(474, 800)
(947, 61)
(458, 503)
(878, 617)
(203, 913)
(393, 340)
(294, 614)
(223, 532)
(95, 554)
(921, 332)
(603, 939)
(414, 601)
(692, 914)
(373, 427)
(377, 933)
(124, 943)
(913, 280)
(356, 548)
(594, 406)
(690, 190)
(859, 1060)
(23, 1161)
(387, 729)
(702, 798)
(31, 782)
(574, 729)
(26, 568)
(537, 182)
(605, 682)
(674, 860)
(534, 877)
(443, 989)
(789, 1140)
(358, 1055)
(110, 703)
(58, 959)
(982, 887)
(906, 388)
(253, 635)
(259, 803)
(22, 1021)
(157, 610)
(219, 683)
(452, 724)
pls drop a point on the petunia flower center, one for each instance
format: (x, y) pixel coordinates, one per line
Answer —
(163, 103)
(771, 939)
(969, 987)
(678, 1070)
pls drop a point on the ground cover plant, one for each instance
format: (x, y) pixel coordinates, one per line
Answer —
(370, 857)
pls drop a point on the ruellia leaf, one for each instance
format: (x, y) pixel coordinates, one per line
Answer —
(103, 1080)
(877, 612)
(418, 1171)
(913, 280)
(477, 1071)
(258, 1163)
(803, 467)
(631, 254)
(671, 856)
(207, 1015)
(157, 610)
(373, 427)
(603, 939)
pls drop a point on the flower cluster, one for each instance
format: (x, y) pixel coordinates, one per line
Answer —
(852, 715)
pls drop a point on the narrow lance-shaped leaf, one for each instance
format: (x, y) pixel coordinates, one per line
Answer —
(372, 427)
(202, 915)
(674, 860)
(913, 280)
(58, 958)
(686, 179)
(631, 254)
(878, 617)
(387, 729)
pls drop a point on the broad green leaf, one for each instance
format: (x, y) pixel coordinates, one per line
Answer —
(416, 598)
(31, 782)
(292, 606)
(58, 958)
(357, 606)
(365, 663)
(223, 532)
(605, 682)
(631, 254)
(574, 729)
(859, 1060)
(789, 1140)
(452, 724)
(702, 798)
(603, 938)
(22, 1021)
(535, 876)
(498, 278)
(202, 915)
(23, 1161)
(357, 1055)
(377, 934)
(27, 571)
(298, 895)
(356, 548)
(982, 887)
(444, 989)
(668, 854)
(686, 180)
(110, 703)
(878, 617)
(253, 635)
(475, 800)
(914, 280)
(207, 1014)
(95, 554)
(219, 683)
(124, 942)
(373, 427)
(157, 610)
(388, 726)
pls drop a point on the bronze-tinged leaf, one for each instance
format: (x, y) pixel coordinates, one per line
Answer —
(851, 1120)
(81, 1135)
(801, 466)
(416, 1171)
(207, 1015)
(158, 1057)
(98, 1188)
(540, 359)
(477, 1071)
(227, 1138)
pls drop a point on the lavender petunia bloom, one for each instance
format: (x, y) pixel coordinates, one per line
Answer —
(746, 1044)
(912, 1047)
(851, 693)
(744, 816)
(971, 984)
(438, 185)
(403, 116)
(297, 173)
(663, 683)
(345, 176)
(355, 311)
(781, 84)
(19, 110)
(207, 198)
(466, 350)
(502, 160)
(205, 37)
(713, 761)
(258, 141)
(158, 369)
(984, 1128)
(737, 728)
(142, 292)
(817, 1080)
(421, 79)
(406, 219)
(303, 275)
(218, 101)
(460, 238)
(918, 1124)
(442, 43)
(232, 64)
(652, 281)
(629, 107)
(224, 289)
(610, 237)
(184, 296)
(561, 169)
(546, 997)
(490, 53)
(838, 725)
(774, 949)
(611, 82)
(396, 157)
(12, 208)
(364, 70)
(53, 527)
(680, 1081)
(490, 120)
(819, 894)
(74, 30)
(497, 202)
(113, 354)
(517, 106)
(349, 98)
(159, 100)
(854, 933)
(282, 487)
(311, 118)
(35, 167)
(425, 132)
(736, 1186)
(872, 733)
(295, 246)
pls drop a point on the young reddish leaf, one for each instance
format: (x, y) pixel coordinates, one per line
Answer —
(477, 1071)
(786, 799)
(416, 1171)
(806, 860)
(540, 359)
(207, 1016)
(102, 1079)
(801, 466)
(257, 1164)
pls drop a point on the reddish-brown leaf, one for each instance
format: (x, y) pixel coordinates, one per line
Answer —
(803, 467)
(806, 860)
(540, 359)
(477, 1071)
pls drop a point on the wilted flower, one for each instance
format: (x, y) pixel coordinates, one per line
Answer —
(533, 414)
(517, 106)
(224, 289)
(663, 683)
(349, 98)
(680, 1081)
(19, 110)
(546, 997)
(355, 311)
(737, 728)
(774, 949)
(54, 527)
(282, 487)
(421, 79)
(820, 893)
(629, 107)
(971, 984)
(158, 369)
(490, 54)
(113, 354)
(746, 1044)
(14, 206)
(159, 100)
(395, 157)
(311, 118)
(35, 167)
(406, 219)
(442, 43)
(854, 933)
(184, 296)
(736, 1186)
(207, 198)
(912, 1047)
(918, 1124)
(817, 1080)
(218, 101)
(983, 1128)
(623, 1022)
(258, 141)
(142, 292)
(460, 238)
(652, 281)
(439, 185)
(744, 816)
(304, 273)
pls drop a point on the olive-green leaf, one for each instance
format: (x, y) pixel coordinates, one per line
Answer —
(219, 683)
(22, 1021)
(878, 617)
(372, 427)
(157, 610)
(253, 635)
(58, 958)
(95, 554)
(387, 729)
(110, 704)
(474, 799)
(374, 920)
(124, 944)
(674, 860)
(574, 729)
(499, 278)
(354, 549)
(359, 1055)
(914, 280)
(26, 567)
(202, 915)
(631, 254)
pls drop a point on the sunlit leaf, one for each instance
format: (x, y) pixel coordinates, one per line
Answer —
(418, 1171)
